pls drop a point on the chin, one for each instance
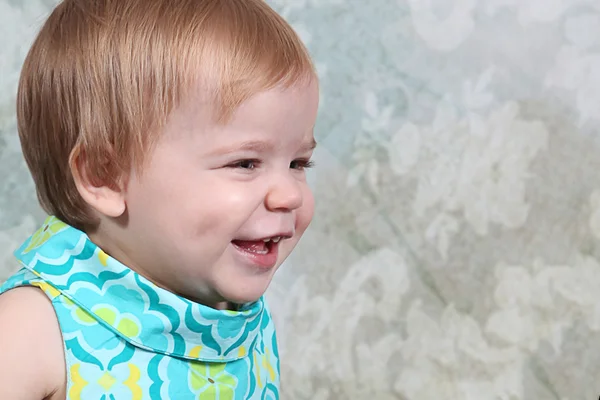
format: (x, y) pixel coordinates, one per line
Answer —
(244, 298)
(243, 294)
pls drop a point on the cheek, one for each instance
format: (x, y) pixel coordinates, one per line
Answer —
(222, 209)
(305, 213)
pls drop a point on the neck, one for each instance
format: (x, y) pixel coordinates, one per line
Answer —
(113, 249)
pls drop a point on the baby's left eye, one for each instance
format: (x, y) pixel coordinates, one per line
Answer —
(301, 164)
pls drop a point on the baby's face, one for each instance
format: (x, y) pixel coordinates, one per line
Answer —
(211, 195)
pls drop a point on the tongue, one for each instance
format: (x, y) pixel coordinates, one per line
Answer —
(251, 245)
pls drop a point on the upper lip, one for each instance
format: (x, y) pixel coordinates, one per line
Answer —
(282, 235)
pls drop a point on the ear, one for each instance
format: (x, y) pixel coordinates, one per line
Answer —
(105, 198)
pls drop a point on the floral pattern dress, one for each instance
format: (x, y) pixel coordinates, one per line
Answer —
(126, 338)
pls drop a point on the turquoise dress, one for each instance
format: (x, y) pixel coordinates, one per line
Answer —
(126, 338)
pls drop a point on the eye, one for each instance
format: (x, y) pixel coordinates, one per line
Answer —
(245, 164)
(301, 164)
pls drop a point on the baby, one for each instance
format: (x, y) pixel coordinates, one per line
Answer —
(168, 141)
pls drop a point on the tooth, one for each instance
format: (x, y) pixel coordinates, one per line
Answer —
(266, 240)
(276, 239)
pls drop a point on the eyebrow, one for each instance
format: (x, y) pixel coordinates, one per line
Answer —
(260, 147)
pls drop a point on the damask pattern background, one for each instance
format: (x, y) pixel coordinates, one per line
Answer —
(455, 251)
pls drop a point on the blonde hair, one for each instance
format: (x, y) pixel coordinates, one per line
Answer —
(103, 75)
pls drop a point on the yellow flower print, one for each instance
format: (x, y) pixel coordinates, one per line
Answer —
(127, 324)
(120, 383)
(51, 227)
(50, 290)
(242, 352)
(78, 383)
(266, 363)
(210, 381)
(262, 363)
(103, 258)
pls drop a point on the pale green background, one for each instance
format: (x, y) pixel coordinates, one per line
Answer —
(455, 248)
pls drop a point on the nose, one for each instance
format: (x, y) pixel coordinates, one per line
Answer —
(285, 194)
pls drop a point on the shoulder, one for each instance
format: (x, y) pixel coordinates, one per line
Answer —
(31, 345)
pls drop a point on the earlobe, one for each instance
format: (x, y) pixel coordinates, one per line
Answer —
(106, 198)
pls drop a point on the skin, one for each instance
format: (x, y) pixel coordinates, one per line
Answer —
(204, 185)
(33, 361)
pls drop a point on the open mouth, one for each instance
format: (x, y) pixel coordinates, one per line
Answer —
(257, 246)
(262, 253)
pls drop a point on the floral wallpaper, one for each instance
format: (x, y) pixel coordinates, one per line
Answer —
(455, 250)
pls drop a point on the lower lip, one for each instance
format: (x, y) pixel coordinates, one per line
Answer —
(264, 261)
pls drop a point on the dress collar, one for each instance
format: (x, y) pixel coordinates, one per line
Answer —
(134, 308)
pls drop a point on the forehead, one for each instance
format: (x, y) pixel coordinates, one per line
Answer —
(278, 107)
(290, 110)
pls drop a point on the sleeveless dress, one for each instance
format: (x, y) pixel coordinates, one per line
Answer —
(126, 338)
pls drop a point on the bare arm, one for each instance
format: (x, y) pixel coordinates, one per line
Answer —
(32, 362)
